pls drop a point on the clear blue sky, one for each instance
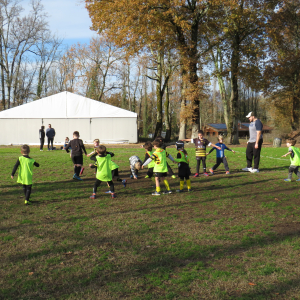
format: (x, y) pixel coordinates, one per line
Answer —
(68, 19)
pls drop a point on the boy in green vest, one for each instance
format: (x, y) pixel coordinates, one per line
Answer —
(160, 168)
(294, 153)
(103, 165)
(148, 147)
(25, 172)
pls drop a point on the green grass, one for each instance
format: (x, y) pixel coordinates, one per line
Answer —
(233, 237)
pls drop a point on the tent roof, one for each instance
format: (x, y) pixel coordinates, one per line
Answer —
(65, 105)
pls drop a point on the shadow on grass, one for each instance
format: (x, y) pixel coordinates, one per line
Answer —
(157, 262)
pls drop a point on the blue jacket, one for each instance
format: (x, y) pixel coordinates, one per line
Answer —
(220, 153)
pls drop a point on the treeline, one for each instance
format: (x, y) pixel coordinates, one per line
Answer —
(178, 64)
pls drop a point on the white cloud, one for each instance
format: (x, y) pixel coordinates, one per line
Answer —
(68, 19)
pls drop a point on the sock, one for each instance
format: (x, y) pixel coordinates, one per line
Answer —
(77, 170)
(167, 184)
(204, 170)
(181, 183)
(188, 183)
(158, 189)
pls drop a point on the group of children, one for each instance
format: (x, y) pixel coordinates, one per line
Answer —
(155, 158)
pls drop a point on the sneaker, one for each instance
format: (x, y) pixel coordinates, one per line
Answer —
(211, 171)
(108, 192)
(173, 176)
(131, 176)
(298, 179)
(124, 181)
(190, 190)
(113, 195)
(205, 174)
(147, 176)
(289, 180)
(196, 175)
(81, 171)
(179, 191)
(227, 172)
(28, 202)
(168, 192)
(254, 171)
(247, 169)
(156, 193)
(93, 197)
(77, 177)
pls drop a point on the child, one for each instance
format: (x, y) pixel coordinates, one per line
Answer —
(66, 143)
(160, 167)
(103, 165)
(148, 147)
(25, 172)
(115, 172)
(220, 155)
(201, 144)
(184, 171)
(77, 147)
(294, 153)
(94, 152)
(135, 165)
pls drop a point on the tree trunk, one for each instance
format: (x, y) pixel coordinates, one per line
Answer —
(167, 115)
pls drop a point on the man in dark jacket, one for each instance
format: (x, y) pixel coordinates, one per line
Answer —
(50, 133)
(42, 137)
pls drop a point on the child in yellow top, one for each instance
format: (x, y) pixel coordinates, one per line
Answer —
(160, 168)
(25, 172)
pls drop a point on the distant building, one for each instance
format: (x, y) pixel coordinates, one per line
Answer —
(215, 129)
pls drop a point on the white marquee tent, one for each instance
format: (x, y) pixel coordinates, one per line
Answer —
(67, 112)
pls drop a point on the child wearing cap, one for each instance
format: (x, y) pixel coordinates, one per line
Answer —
(294, 153)
(220, 155)
(184, 171)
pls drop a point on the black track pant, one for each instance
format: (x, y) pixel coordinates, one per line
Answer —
(199, 159)
(294, 169)
(98, 182)
(50, 140)
(27, 191)
(42, 141)
(170, 171)
(252, 152)
(219, 161)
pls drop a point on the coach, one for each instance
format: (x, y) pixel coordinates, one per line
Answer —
(254, 144)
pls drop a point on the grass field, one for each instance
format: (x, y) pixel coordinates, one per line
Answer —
(234, 237)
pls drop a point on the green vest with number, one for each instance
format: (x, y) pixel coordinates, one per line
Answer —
(152, 164)
(104, 168)
(25, 171)
(160, 161)
(184, 158)
(295, 161)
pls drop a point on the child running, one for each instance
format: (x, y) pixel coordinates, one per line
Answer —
(294, 153)
(25, 172)
(201, 144)
(103, 165)
(220, 155)
(135, 165)
(160, 167)
(77, 147)
(184, 171)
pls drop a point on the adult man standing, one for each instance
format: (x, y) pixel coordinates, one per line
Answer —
(254, 144)
(50, 133)
(42, 137)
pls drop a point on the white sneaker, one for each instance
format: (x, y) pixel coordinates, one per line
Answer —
(247, 169)
(254, 171)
